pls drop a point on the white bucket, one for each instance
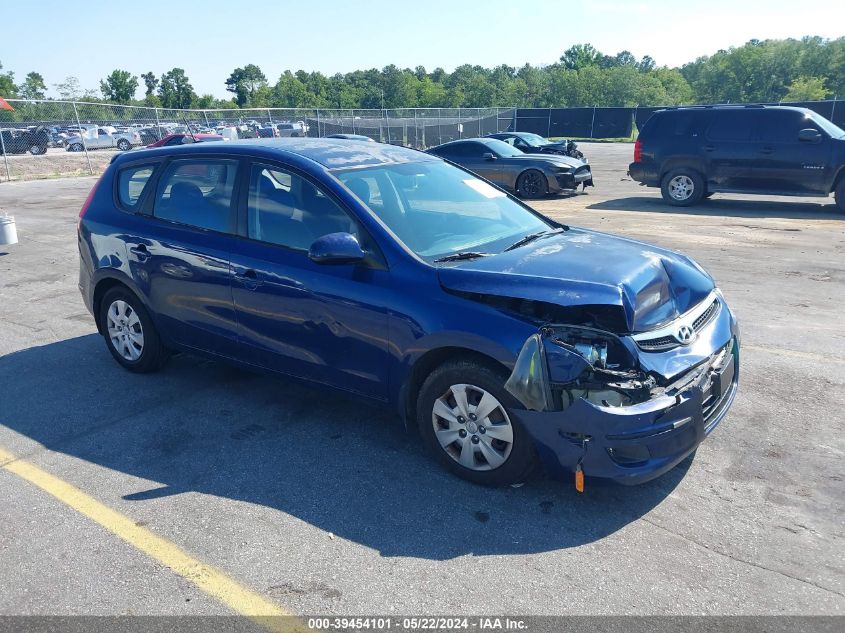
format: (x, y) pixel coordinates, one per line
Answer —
(8, 232)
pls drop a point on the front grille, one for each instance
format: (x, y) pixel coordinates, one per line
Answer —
(658, 344)
(663, 343)
(706, 316)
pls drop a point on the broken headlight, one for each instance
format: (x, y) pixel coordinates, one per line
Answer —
(563, 363)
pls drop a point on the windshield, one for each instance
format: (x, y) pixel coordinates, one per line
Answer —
(505, 150)
(831, 128)
(437, 209)
(534, 140)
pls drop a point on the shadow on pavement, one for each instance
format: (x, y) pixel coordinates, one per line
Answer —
(333, 462)
(727, 207)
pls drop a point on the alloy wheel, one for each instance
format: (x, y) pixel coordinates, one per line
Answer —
(681, 188)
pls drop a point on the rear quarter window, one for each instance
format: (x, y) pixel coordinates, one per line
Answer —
(131, 182)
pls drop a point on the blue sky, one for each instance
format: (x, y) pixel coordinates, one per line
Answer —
(90, 38)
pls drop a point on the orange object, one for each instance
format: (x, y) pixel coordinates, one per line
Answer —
(579, 478)
(4, 105)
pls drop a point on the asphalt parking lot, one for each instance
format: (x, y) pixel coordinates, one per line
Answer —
(319, 505)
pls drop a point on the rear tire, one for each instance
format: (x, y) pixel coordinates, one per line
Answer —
(532, 184)
(123, 145)
(129, 332)
(76, 147)
(490, 449)
(839, 195)
(682, 187)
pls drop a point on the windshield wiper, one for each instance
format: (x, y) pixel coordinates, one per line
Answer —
(533, 236)
(456, 257)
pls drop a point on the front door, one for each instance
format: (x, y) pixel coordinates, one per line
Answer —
(785, 163)
(322, 322)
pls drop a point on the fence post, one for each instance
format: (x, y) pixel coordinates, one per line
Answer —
(82, 136)
(158, 123)
(593, 124)
(833, 109)
(205, 116)
(549, 125)
(318, 124)
(5, 158)
(439, 131)
(269, 116)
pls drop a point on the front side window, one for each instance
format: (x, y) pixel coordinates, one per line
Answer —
(130, 185)
(198, 193)
(436, 209)
(288, 210)
(781, 126)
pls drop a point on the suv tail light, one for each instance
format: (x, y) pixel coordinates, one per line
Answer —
(638, 151)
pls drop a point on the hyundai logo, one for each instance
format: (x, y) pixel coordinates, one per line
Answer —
(686, 334)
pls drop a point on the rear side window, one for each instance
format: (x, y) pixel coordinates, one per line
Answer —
(198, 193)
(731, 126)
(130, 185)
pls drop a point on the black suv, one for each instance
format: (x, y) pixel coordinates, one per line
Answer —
(692, 153)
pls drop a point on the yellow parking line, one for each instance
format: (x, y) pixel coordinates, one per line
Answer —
(210, 580)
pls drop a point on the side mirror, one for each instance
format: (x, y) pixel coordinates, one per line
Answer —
(336, 248)
(810, 136)
(488, 156)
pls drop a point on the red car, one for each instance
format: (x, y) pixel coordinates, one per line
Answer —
(185, 139)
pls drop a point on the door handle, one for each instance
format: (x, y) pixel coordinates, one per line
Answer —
(709, 148)
(140, 251)
(767, 150)
(249, 278)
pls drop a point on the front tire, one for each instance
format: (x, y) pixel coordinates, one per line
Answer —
(123, 145)
(532, 184)
(76, 147)
(464, 415)
(129, 332)
(682, 187)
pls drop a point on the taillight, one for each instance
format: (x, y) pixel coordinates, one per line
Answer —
(87, 203)
(638, 151)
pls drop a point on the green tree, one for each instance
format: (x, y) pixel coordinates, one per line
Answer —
(807, 89)
(69, 89)
(33, 86)
(119, 86)
(175, 90)
(7, 84)
(245, 82)
(150, 83)
(289, 92)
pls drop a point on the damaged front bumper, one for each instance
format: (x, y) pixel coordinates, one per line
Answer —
(592, 407)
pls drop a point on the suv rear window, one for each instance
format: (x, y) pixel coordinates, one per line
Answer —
(130, 185)
(731, 126)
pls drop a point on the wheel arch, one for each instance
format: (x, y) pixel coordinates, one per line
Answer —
(105, 283)
(691, 163)
(427, 363)
(838, 178)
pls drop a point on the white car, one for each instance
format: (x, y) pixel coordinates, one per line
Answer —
(102, 138)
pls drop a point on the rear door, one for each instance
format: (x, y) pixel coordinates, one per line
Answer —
(180, 259)
(785, 163)
(470, 154)
(728, 149)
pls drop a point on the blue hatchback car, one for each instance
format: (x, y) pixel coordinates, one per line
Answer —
(510, 340)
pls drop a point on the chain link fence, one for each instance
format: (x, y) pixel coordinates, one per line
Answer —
(44, 139)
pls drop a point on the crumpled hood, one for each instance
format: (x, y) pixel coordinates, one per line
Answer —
(578, 267)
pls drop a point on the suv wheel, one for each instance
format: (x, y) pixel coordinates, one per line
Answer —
(129, 332)
(682, 187)
(464, 416)
(839, 195)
